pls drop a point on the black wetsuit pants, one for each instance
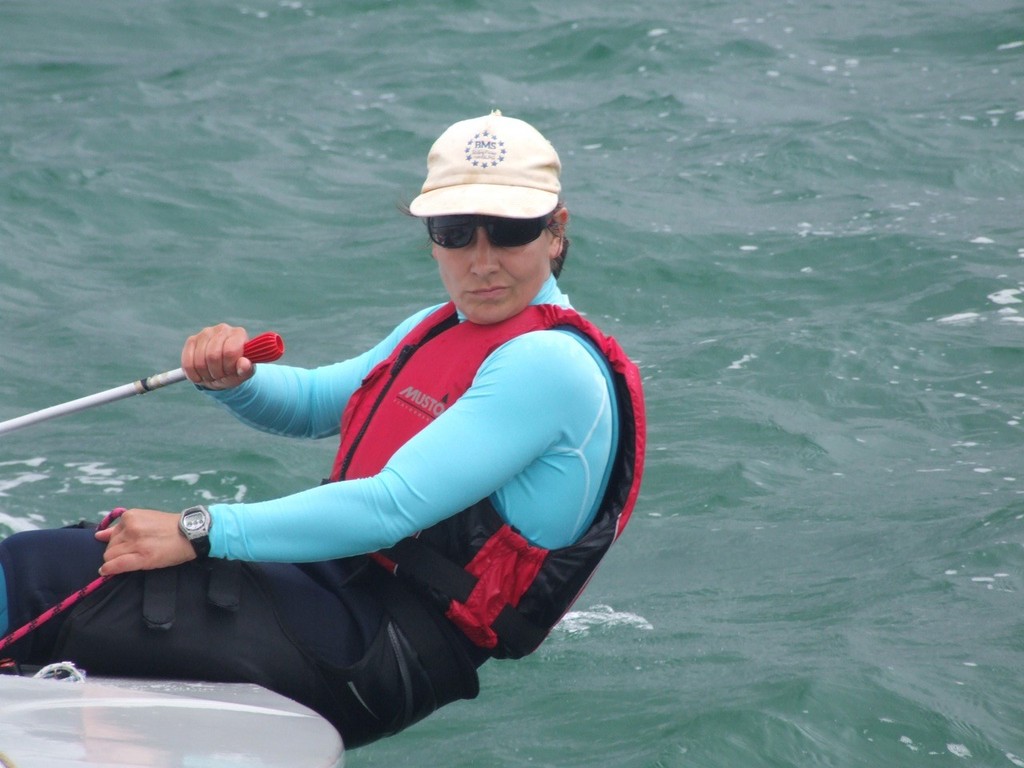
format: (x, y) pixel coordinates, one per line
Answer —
(341, 637)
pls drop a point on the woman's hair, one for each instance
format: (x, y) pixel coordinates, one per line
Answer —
(558, 229)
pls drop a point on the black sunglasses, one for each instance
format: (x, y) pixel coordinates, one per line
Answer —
(459, 231)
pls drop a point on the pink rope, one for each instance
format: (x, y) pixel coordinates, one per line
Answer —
(68, 601)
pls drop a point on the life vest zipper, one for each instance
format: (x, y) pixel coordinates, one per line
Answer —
(403, 357)
(400, 360)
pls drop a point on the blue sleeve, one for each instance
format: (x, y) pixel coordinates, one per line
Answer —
(534, 432)
(300, 402)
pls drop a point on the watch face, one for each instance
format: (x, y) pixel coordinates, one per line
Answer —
(194, 521)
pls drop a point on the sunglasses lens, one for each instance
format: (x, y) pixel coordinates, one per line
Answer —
(452, 231)
(458, 231)
(508, 233)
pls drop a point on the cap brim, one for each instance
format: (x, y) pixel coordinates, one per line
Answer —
(485, 199)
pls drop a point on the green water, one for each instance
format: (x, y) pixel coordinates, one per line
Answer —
(804, 221)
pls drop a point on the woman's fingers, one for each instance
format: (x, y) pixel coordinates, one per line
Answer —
(142, 540)
(214, 357)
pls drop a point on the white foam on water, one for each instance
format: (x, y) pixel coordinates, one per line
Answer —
(737, 365)
(20, 479)
(1006, 296)
(35, 462)
(909, 743)
(962, 318)
(959, 750)
(19, 524)
(97, 473)
(580, 622)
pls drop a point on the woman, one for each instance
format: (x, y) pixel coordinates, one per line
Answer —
(490, 452)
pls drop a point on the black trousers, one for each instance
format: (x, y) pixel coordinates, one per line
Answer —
(341, 637)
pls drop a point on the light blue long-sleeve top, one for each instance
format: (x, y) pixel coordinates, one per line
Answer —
(535, 433)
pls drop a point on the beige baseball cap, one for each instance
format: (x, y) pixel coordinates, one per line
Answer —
(492, 165)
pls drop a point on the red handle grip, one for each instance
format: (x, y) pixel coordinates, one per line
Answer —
(264, 348)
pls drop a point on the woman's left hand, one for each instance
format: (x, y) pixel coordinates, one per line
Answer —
(142, 540)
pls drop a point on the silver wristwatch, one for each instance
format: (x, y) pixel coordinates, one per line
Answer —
(194, 525)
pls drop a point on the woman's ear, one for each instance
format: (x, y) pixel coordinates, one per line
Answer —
(559, 219)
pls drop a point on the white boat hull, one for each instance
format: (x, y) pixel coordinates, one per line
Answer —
(47, 723)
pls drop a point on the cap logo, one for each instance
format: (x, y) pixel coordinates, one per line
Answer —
(485, 150)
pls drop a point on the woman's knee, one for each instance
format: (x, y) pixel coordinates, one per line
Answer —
(41, 567)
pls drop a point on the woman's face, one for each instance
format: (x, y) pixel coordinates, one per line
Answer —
(489, 283)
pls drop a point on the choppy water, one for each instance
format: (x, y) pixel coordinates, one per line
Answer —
(804, 221)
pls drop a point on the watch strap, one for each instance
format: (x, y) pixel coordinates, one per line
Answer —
(199, 537)
(201, 545)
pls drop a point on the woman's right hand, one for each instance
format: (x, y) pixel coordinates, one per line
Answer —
(214, 359)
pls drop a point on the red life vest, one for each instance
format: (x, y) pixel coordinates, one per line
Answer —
(502, 591)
